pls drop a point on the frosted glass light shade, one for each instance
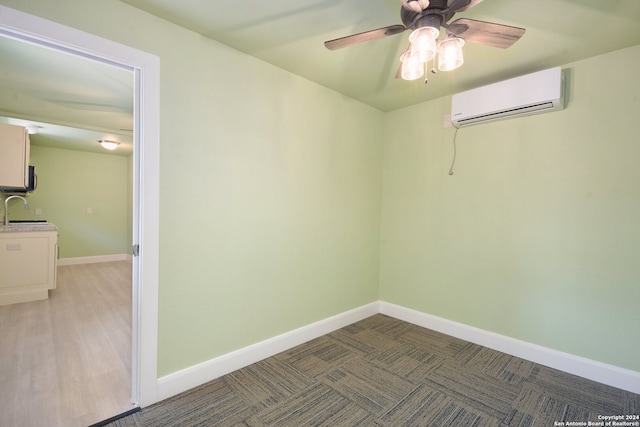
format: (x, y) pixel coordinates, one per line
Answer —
(423, 40)
(412, 67)
(450, 54)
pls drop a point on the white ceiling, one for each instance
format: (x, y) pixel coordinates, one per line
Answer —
(44, 87)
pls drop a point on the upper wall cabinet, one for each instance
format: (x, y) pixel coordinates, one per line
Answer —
(14, 156)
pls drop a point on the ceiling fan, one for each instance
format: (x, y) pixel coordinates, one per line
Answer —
(425, 18)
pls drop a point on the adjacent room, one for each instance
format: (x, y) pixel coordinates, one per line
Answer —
(281, 179)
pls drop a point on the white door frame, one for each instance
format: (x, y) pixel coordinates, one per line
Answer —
(146, 70)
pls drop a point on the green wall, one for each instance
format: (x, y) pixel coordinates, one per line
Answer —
(536, 235)
(69, 182)
(273, 191)
(269, 189)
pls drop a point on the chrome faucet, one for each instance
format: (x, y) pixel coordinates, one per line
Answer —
(6, 207)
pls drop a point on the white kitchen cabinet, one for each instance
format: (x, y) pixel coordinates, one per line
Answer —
(14, 156)
(28, 262)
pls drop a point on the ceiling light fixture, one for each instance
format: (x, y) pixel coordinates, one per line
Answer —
(108, 144)
(423, 43)
(423, 47)
(412, 67)
(426, 19)
(450, 53)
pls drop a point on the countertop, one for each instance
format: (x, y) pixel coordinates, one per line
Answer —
(27, 227)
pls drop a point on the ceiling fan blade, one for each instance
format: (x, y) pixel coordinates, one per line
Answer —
(460, 6)
(399, 72)
(367, 36)
(485, 33)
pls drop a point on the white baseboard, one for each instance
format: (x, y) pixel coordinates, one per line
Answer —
(196, 375)
(201, 373)
(603, 373)
(93, 259)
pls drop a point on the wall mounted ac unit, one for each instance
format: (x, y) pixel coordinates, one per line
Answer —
(534, 93)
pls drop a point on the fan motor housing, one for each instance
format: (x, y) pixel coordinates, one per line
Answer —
(426, 18)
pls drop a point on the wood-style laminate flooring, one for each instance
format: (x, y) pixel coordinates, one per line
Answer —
(66, 361)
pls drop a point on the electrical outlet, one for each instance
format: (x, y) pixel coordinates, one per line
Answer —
(447, 121)
(38, 211)
(89, 211)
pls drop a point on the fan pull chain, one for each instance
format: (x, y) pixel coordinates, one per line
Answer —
(433, 70)
(426, 74)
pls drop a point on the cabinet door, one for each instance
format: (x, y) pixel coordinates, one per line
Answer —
(26, 259)
(14, 156)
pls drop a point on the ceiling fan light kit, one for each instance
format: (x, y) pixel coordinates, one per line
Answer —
(423, 46)
(425, 18)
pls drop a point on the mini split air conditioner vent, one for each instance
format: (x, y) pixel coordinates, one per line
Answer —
(530, 94)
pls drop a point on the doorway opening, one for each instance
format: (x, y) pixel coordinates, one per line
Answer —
(145, 222)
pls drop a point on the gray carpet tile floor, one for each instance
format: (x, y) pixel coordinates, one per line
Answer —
(385, 372)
